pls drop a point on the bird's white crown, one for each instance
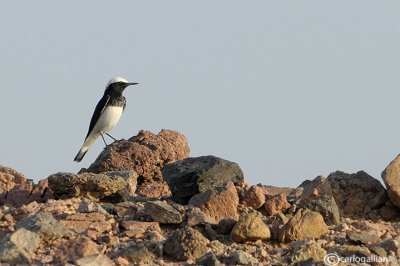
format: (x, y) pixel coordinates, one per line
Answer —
(115, 80)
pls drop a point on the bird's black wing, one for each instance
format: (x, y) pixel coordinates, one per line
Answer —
(97, 112)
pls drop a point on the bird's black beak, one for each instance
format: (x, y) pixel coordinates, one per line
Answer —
(132, 83)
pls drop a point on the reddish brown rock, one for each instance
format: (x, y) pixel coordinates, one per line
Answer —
(94, 223)
(15, 189)
(9, 178)
(304, 224)
(254, 197)
(145, 153)
(271, 190)
(153, 190)
(220, 203)
(276, 203)
(55, 207)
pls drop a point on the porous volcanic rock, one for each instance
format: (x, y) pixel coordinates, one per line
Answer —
(391, 177)
(186, 243)
(304, 224)
(356, 194)
(219, 203)
(15, 189)
(9, 178)
(146, 154)
(107, 187)
(191, 176)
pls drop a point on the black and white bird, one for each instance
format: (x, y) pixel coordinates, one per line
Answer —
(106, 115)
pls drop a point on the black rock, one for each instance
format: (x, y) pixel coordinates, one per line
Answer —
(191, 176)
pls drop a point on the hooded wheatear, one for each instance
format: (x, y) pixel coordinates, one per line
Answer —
(107, 113)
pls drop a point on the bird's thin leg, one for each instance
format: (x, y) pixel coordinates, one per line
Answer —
(111, 137)
(103, 139)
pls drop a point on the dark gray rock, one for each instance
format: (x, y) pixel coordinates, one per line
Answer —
(111, 187)
(208, 259)
(191, 176)
(44, 224)
(240, 257)
(195, 216)
(162, 212)
(319, 185)
(326, 206)
(186, 243)
(357, 194)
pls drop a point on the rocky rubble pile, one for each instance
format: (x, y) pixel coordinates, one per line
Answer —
(144, 202)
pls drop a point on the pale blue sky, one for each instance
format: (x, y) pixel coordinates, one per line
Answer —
(287, 89)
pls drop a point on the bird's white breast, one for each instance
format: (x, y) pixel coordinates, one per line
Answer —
(108, 119)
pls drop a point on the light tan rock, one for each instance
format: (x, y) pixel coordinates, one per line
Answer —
(250, 227)
(75, 249)
(304, 224)
(391, 177)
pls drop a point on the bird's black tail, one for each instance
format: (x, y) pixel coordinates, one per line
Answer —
(80, 155)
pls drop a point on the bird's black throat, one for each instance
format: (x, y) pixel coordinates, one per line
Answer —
(114, 92)
(116, 100)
